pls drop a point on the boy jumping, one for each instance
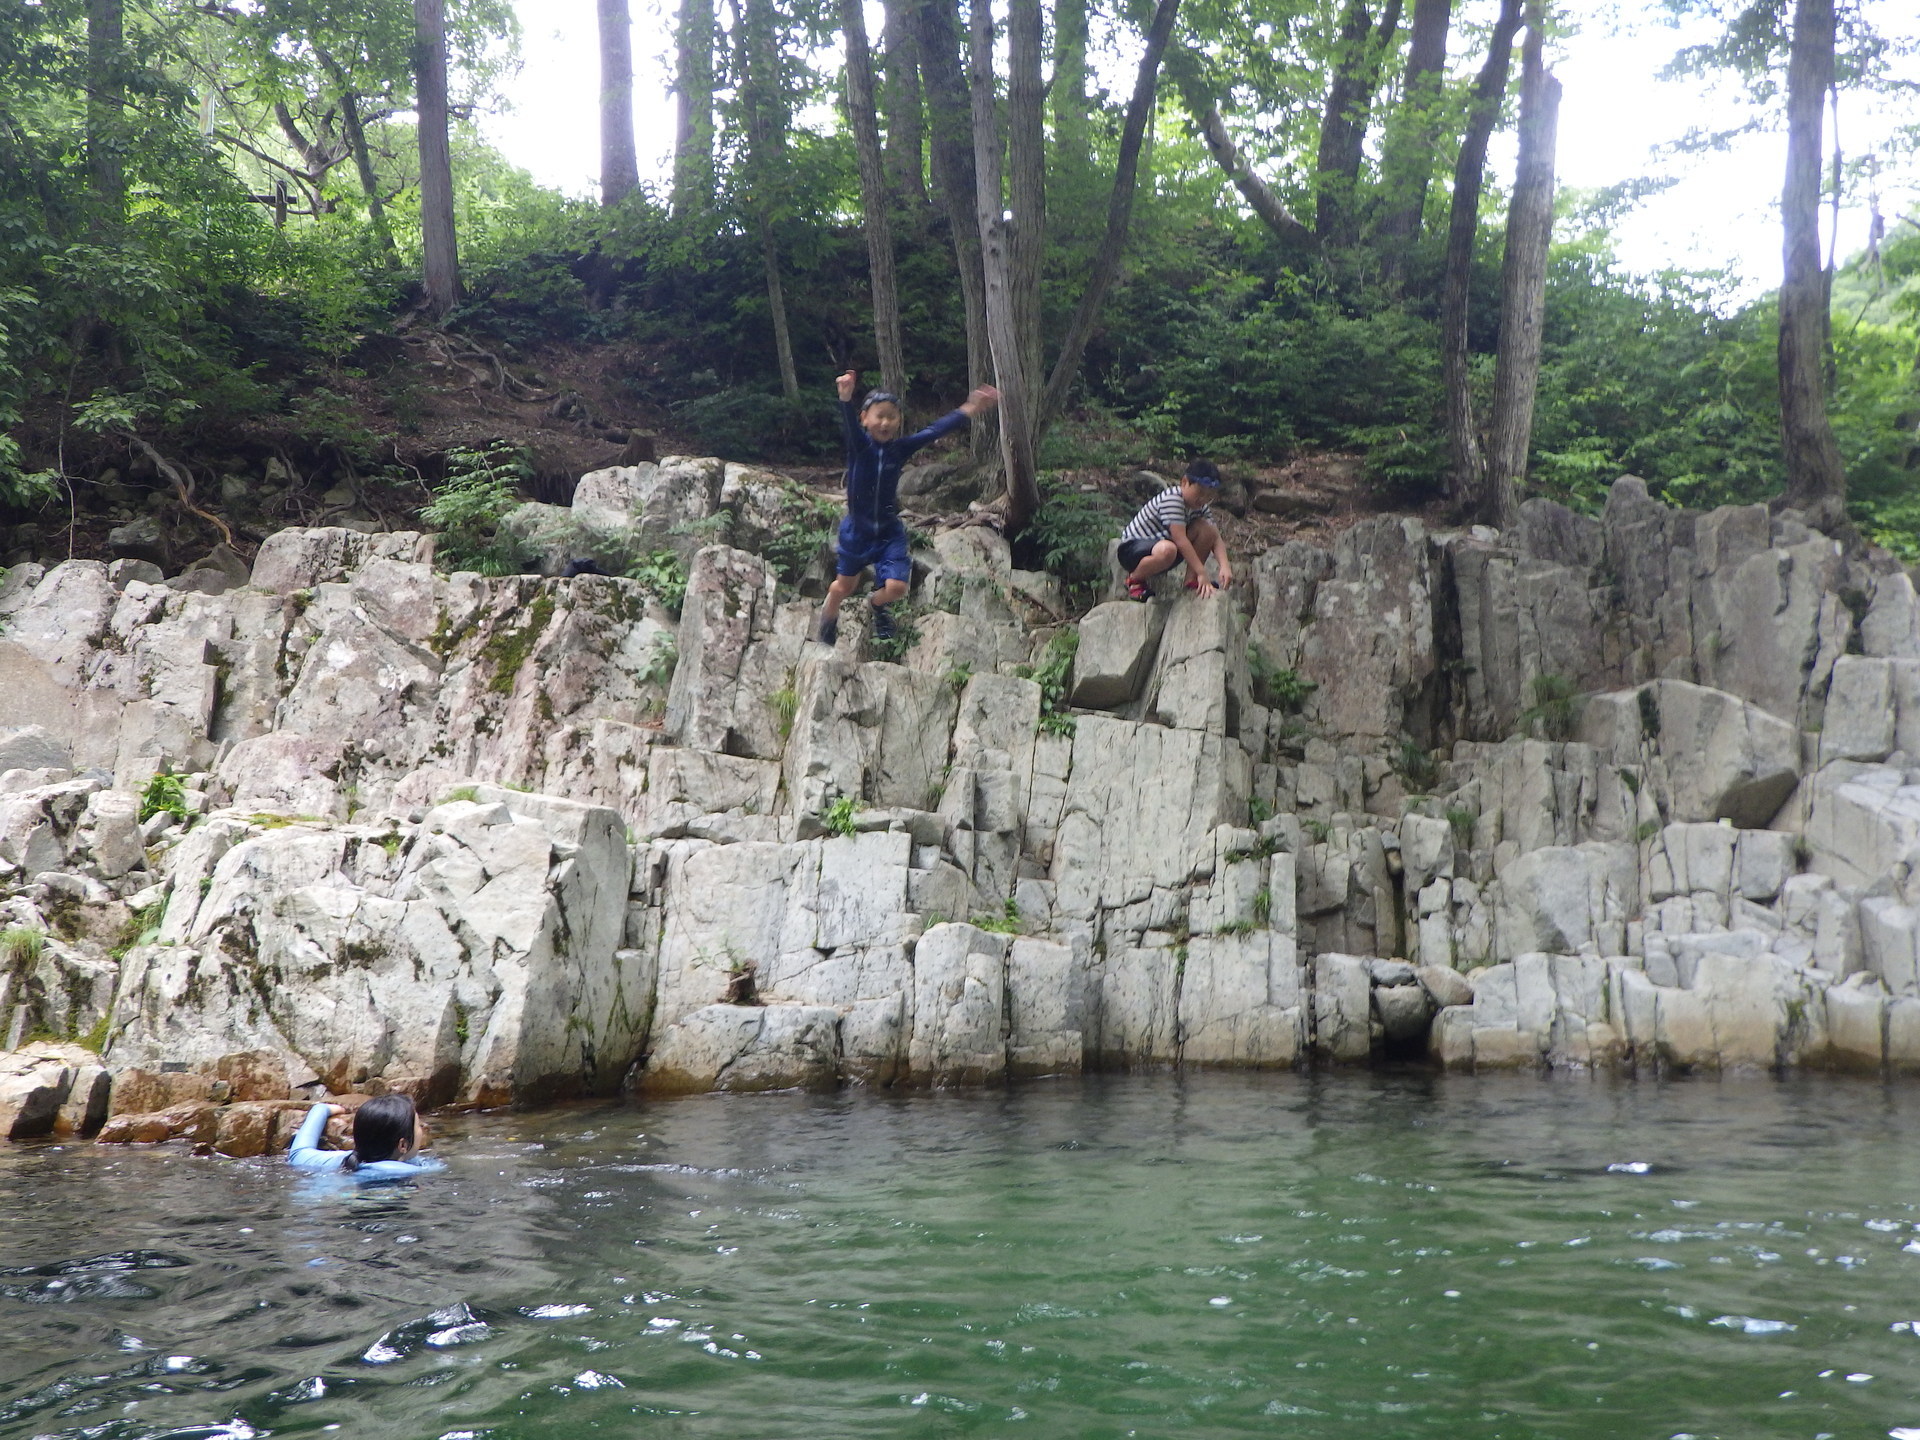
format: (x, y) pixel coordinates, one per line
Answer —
(871, 533)
(1176, 525)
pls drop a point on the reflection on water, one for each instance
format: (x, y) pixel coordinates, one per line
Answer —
(1361, 1255)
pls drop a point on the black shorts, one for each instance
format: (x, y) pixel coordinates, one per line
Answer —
(1132, 552)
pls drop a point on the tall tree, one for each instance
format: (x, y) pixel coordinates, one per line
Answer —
(441, 267)
(904, 109)
(875, 203)
(1816, 478)
(1185, 68)
(1000, 256)
(1067, 94)
(1468, 482)
(693, 92)
(1406, 150)
(1359, 56)
(1027, 175)
(937, 36)
(619, 167)
(1106, 265)
(352, 126)
(106, 104)
(763, 96)
(1523, 277)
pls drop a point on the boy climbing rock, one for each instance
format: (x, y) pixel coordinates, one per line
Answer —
(1176, 525)
(871, 533)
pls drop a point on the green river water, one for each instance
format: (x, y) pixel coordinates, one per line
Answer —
(1366, 1255)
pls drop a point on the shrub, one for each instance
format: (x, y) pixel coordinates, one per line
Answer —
(480, 487)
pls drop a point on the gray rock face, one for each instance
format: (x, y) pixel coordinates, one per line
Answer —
(1634, 791)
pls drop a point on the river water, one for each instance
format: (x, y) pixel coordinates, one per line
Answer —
(1361, 1255)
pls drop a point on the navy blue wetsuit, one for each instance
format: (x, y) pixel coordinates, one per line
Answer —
(871, 533)
(306, 1154)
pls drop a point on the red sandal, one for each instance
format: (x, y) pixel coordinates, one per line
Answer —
(1137, 590)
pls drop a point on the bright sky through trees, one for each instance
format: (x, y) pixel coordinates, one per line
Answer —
(1616, 122)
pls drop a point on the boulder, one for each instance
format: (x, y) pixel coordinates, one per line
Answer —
(745, 1048)
(1724, 758)
(959, 1006)
(1118, 641)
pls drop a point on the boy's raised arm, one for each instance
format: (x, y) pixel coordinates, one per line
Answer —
(845, 385)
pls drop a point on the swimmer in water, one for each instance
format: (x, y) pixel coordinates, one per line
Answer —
(387, 1138)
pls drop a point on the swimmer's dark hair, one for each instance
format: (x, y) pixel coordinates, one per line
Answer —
(378, 1128)
(879, 397)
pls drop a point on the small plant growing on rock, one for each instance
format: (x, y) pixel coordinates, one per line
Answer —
(1262, 906)
(20, 946)
(467, 794)
(838, 816)
(1646, 830)
(1007, 922)
(905, 633)
(1275, 687)
(480, 487)
(1050, 673)
(1649, 713)
(1462, 820)
(1552, 707)
(164, 792)
(740, 989)
(785, 704)
(1417, 767)
(661, 575)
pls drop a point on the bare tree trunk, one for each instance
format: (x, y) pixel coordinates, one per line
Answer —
(873, 198)
(106, 105)
(1106, 265)
(1816, 478)
(904, 109)
(362, 161)
(766, 167)
(997, 267)
(1343, 126)
(693, 88)
(441, 268)
(1067, 96)
(949, 106)
(619, 168)
(1026, 181)
(1185, 69)
(1523, 277)
(1406, 154)
(1463, 224)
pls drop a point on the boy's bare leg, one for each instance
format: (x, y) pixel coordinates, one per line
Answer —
(837, 592)
(889, 592)
(1161, 559)
(1205, 540)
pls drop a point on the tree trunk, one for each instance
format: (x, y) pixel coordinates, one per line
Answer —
(1106, 265)
(1343, 127)
(873, 198)
(1187, 76)
(1067, 93)
(363, 163)
(693, 131)
(106, 102)
(1026, 182)
(1816, 478)
(904, 109)
(441, 268)
(1406, 155)
(997, 267)
(1463, 224)
(619, 168)
(1523, 277)
(766, 168)
(949, 106)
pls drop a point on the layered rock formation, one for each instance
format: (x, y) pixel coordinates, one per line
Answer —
(1626, 791)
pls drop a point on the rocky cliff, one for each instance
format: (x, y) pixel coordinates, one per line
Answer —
(1630, 791)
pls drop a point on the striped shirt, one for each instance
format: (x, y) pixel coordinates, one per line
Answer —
(1159, 515)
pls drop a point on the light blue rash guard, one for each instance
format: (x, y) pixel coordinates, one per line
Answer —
(306, 1154)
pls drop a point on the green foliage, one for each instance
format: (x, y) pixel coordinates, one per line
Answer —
(479, 488)
(1649, 706)
(461, 794)
(906, 632)
(1281, 689)
(1646, 830)
(1070, 532)
(1007, 922)
(663, 576)
(1052, 673)
(838, 816)
(21, 945)
(785, 704)
(1262, 907)
(1552, 707)
(1259, 811)
(1462, 821)
(661, 660)
(164, 792)
(1417, 767)
(958, 674)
